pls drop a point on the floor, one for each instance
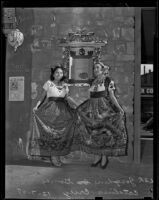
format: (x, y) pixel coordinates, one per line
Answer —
(77, 180)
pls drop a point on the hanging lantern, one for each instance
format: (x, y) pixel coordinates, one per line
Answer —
(15, 38)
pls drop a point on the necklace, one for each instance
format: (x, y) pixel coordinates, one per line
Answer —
(58, 86)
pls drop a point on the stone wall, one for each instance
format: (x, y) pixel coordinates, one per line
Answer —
(42, 27)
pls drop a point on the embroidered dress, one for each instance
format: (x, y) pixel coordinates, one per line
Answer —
(53, 123)
(106, 136)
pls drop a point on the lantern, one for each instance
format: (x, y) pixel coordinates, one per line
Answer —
(15, 38)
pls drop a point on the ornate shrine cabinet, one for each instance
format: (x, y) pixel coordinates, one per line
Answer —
(80, 50)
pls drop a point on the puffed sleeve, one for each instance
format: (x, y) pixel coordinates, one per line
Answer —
(111, 86)
(46, 85)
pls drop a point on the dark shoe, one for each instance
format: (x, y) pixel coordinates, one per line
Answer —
(55, 162)
(95, 164)
(105, 165)
(60, 161)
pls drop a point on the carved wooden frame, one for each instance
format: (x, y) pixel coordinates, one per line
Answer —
(80, 43)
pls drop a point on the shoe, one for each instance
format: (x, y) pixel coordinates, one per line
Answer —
(105, 165)
(60, 161)
(55, 162)
(95, 164)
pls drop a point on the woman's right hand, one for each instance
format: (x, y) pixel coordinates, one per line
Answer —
(35, 108)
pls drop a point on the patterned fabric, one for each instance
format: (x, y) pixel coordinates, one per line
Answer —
(58, 129)
(102, 136)
(53, 128)
(53, 123)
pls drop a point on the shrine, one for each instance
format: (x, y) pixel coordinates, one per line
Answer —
(80, 51)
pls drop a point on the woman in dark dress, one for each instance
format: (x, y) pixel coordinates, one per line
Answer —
(102, 129)
(53, 121)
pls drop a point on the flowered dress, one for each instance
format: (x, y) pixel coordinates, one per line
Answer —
(106, 136)
(53, 124)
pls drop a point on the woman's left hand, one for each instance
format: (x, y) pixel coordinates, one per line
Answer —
(65, 85)
(121, 112)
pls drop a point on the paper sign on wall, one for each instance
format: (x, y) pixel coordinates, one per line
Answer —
(16, 88)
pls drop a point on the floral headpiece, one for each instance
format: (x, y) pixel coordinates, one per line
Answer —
(105, 68)
(100, 79)
(57, 65)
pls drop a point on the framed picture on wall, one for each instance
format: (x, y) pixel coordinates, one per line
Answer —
(16, 88)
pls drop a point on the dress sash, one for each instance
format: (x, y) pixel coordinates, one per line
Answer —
(56, 98)
(97, 94)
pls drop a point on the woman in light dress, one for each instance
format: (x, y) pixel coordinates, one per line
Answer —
(53, 120)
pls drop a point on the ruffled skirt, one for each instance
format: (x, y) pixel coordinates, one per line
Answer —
(106, 136)
(53, 128)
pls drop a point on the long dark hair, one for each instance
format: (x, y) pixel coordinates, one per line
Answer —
(105, 78)
(53, 70)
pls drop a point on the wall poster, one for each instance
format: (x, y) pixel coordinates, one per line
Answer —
(16, 88)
